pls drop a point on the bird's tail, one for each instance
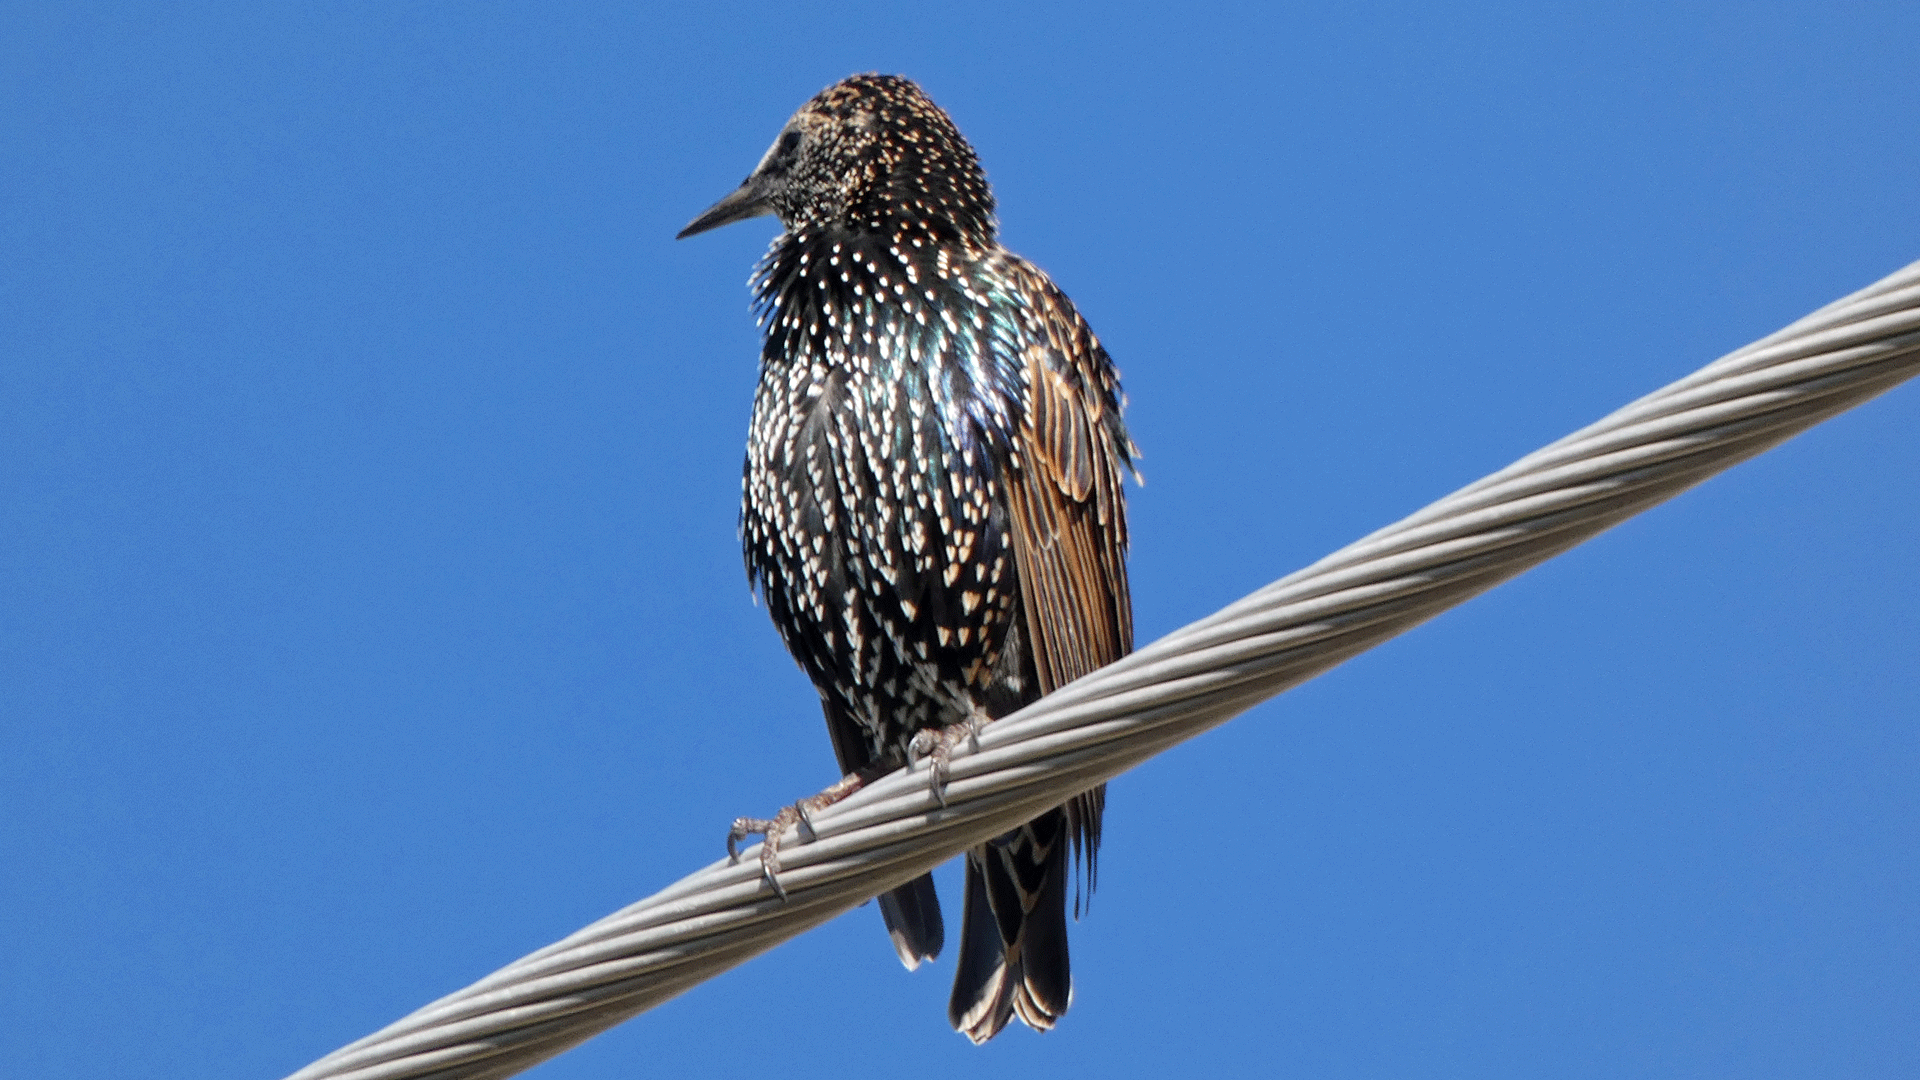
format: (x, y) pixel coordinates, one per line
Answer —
(1013, 935)
(912, 914)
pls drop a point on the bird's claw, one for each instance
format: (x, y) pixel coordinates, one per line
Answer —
(929, 745)
(742, 828)
(769, 830)
(770, 873)
(935, 746)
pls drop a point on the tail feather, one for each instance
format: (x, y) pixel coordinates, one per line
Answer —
(1013, 936)
(980, 1005)
(1047, 987)
(912, 915)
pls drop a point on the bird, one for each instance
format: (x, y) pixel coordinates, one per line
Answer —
(932, 503)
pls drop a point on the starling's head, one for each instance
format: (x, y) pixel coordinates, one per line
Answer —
(872, 153)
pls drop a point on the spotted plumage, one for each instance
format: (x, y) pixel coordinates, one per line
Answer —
(931, 500)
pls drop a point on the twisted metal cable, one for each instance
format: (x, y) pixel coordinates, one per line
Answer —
(1169, 691)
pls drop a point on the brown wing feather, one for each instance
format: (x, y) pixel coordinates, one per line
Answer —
(1069, 515)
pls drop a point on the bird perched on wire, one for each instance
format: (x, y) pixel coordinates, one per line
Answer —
(932, 500)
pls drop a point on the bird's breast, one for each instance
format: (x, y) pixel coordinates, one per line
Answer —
(873, 508)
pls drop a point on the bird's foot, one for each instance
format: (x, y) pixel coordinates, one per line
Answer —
(935, 746)
(770, 830)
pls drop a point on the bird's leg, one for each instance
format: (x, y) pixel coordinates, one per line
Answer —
(770, 829)
(936, 746)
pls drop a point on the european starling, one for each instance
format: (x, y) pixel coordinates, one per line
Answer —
(932, 499)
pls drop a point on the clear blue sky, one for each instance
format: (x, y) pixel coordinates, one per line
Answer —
(371, 611)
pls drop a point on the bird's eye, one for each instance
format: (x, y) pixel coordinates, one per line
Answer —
(789, 143)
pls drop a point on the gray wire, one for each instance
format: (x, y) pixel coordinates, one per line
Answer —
(1169, 691)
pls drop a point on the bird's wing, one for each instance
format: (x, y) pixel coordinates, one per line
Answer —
(1069, 523)
(1069, 514)
(1069, 526)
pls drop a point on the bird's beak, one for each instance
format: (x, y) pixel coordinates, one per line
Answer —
(747, 201)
